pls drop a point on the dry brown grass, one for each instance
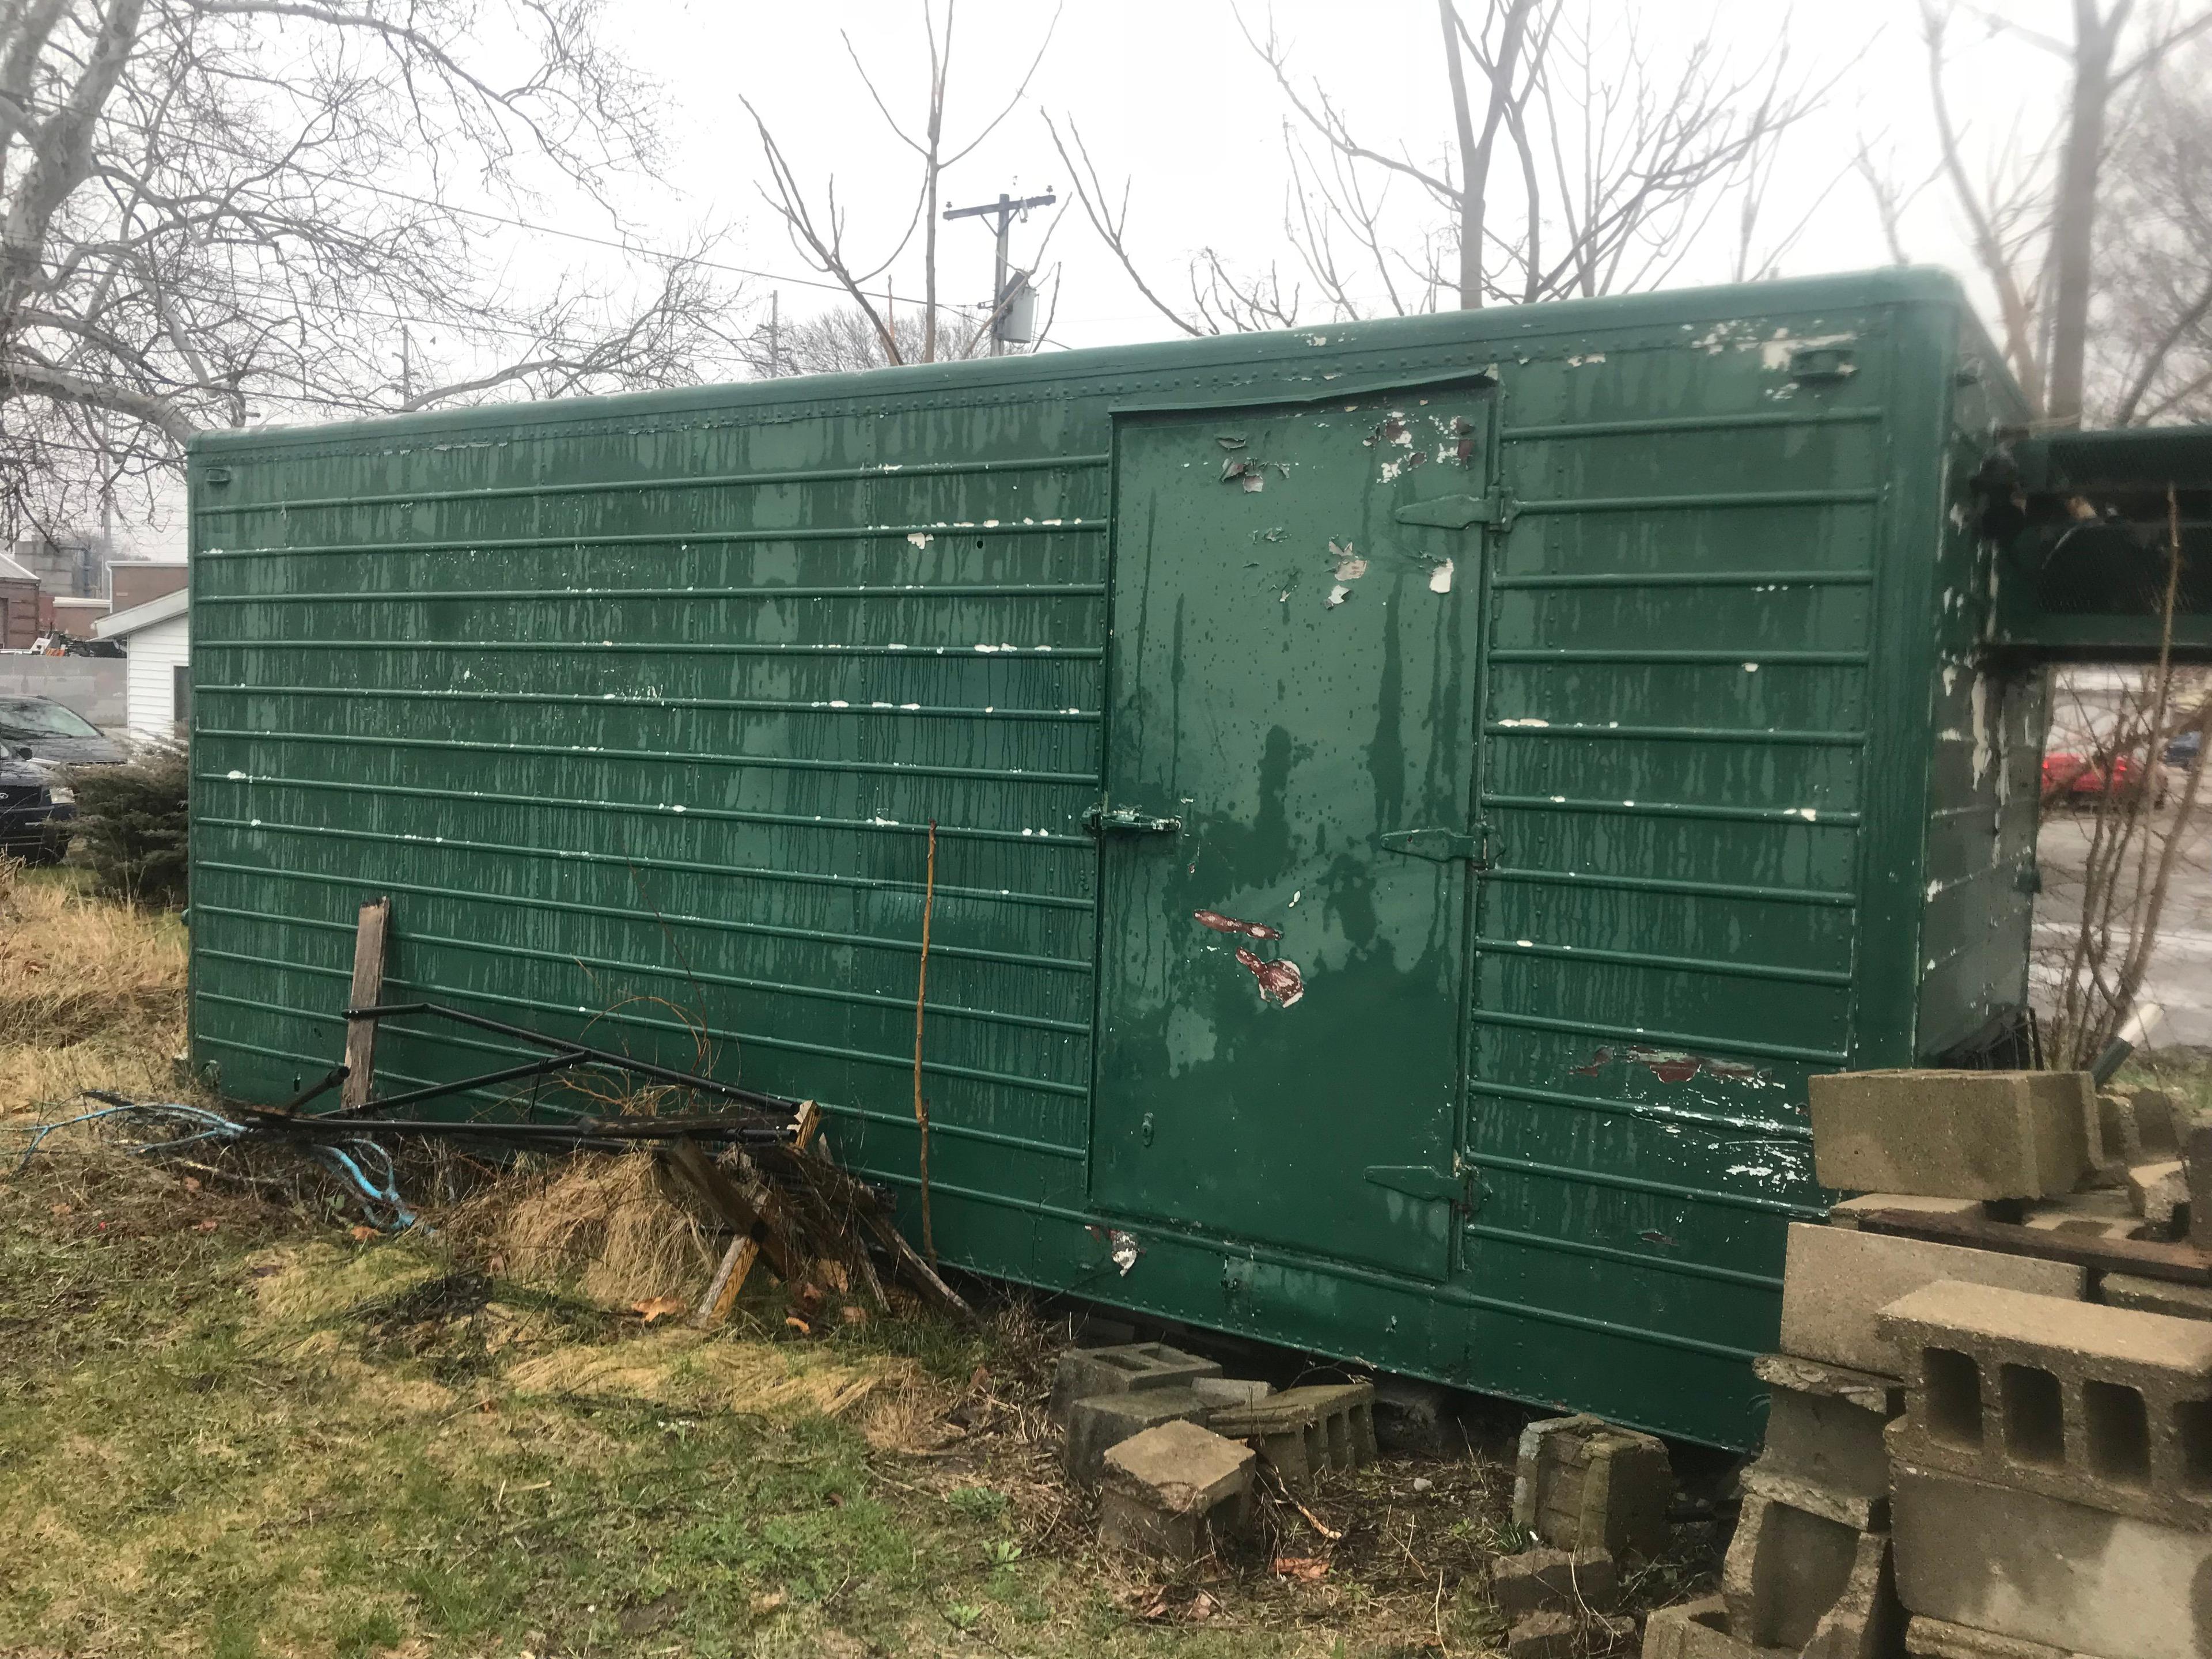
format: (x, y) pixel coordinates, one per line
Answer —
(92, 992)
(604, 1223)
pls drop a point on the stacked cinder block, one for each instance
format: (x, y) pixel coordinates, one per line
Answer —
(1812, 1569)
(2052, 1477)
(1173, 1442)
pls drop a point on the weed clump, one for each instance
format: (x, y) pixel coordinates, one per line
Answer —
(603, 1222)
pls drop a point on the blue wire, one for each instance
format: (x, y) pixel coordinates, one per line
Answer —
(378, 1196)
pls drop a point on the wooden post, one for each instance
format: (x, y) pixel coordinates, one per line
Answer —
(738, 1261)
(369, 943)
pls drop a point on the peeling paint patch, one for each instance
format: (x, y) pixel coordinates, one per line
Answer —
(1672, 1065)
(1280, 981)
(1440, 579)
(1350, 567)
(1337, 595)
(1525, 720)
(1222, 924)
(1121, 1248)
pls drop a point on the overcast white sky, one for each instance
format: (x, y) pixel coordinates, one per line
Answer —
(1168, 96)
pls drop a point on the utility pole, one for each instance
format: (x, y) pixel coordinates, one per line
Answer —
(774, 333)
(1004, 210)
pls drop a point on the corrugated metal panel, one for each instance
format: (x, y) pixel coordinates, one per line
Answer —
(1676, 732)
(647, 726)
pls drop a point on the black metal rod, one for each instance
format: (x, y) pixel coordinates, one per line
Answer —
(484, 1080)
(331, 1078)
(606, 1057)
(625, 1131)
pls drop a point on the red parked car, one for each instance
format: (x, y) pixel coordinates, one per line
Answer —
(2076, 778)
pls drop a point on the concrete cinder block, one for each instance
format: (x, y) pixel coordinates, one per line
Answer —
(2033, 1568)
(1802, 1582)
(1230, 1390)
(2196, 1158)
(1559, 1580)
(2103, 1214)
(2140, 1125)
(1824, 1427)
(1097, 1425)
(1126, 1368)
(1932, 1639)
(1954, 1134)
(1836, 1279)
(1694, 1630)
(1543, 1635)
(2158, 1295)
(1301, 1431)
(1173, 1489)
(1580, 1483)
(2105, 1407)
(2157, 1190)
(1847, 1213)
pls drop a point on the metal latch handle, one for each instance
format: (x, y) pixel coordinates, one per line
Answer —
(1439, 846)
(1127, 821)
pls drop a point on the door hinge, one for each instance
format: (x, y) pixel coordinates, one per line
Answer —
(1439, 846)
(1419, 1180)
(1127, 821)
(1493, 506)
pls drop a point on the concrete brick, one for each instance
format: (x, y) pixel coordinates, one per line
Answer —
(2109, 1407)
(1097, 1425)
(1836, 1279)
(1823, 1427)
(1580, 1483)
(1173, 1489)
(2038, 1569)
(1954, 1134)
(1793, 1579)
(2104, 1214)
(1301, 1431)
(1559, 1580)
(1694, 1630)
(1847, 1213)
(1125, 1368)
(1230, 1390)
(2157, 1190)
(2140, 1125)
(2196, 1156)
(1932, 1639)
(1544, 1635)
(2158, 1295)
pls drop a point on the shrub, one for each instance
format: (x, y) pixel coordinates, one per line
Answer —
(133, 826)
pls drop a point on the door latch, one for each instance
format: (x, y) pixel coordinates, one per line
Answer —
(1438, 846)
(1127, 821)
(1450, 1187)
(1459, 511)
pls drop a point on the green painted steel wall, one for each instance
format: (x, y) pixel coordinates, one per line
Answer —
(639, 709)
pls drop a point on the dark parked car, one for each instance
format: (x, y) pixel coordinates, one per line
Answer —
(34, 826)
(2183, 750)
(54, 735)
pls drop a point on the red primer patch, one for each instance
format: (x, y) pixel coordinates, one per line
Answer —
(1280, 983)
(1222, 924)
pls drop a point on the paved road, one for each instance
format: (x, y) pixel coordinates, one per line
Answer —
(2177, 1002)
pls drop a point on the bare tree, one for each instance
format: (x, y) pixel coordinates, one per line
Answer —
(845, 340)
(1622, 151)
(190, 234)
(818, 231)
(2032, 215)
(2152, 360)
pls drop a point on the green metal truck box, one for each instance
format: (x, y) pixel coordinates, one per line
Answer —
(1412, 800)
